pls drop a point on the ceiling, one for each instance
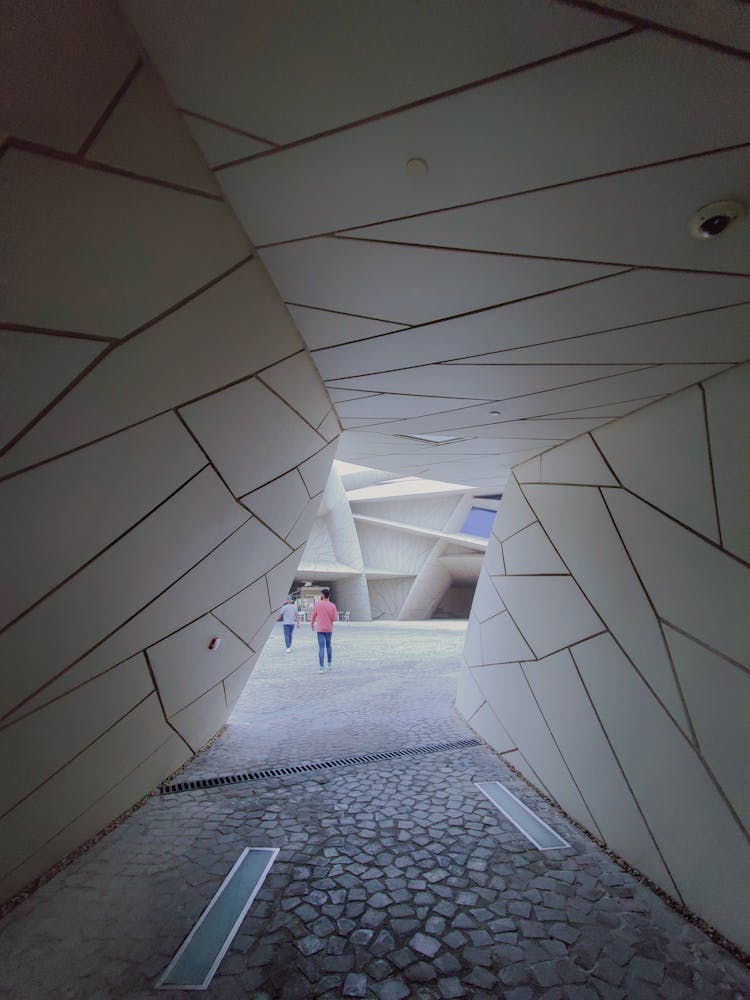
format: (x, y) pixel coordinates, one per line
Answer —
(538, 280)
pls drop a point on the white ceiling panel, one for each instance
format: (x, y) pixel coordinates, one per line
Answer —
(637, 218)
(619, 301)
(724, 21)
(393, 405)
(630, 102)
(219, 144)
(284, 70)
(322, 328)
(715, 335)
(483, 381)
(413, 284)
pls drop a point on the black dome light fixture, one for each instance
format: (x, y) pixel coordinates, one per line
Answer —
(715, 219)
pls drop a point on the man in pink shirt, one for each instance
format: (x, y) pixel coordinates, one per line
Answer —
(325, 613)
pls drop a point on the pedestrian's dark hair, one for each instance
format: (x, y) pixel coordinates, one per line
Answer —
(326, 592)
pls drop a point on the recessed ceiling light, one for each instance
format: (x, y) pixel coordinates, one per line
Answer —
(417, 167)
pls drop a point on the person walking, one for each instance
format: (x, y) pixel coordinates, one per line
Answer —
(325, 613)
(290, 620)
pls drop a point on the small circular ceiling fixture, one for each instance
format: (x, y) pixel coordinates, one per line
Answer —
(715, 219)
(417, 167)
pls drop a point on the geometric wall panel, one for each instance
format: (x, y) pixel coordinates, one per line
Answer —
(583, 744)
(717, 695)
(526, 727)
(247, 611)
(68, 510)
(692, 584)
(501, 636)
(728, 411)
(659, 765)
(550, 611)
(675, 433)
(580, 526)
(35, 369)
(202, 718)
(296, 378)
(530, 551)
(279, 503)
(678, 798)
(184, 666)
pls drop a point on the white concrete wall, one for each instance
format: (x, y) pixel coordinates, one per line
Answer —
(165, 439)
(608, 650)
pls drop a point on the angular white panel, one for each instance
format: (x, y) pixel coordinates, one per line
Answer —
(579, 524)
(330, 427)
(722, 21)
(219, 144)
(185, 667)
(35, 369)
(714, 335)
(245, 612)
(256, 74)
(86, 56)
(611, 107)
(624, 300)
(298, 383)
(203, 719)
(117, 584)
(279, 503)
(486, 724)
(529, 472)
(493, 558)
(279, 579)
(468, 382)
(226, 333)
(231, 427)
(223, 573)
(301, 528)
(517, 759)
(472, 652)
(661, 453)
(509, 694)
(728, 408)
(717, 695)
(235, 683)
(258, 641)
(502, 642)
(576, 461)
(692, 584)
(530, 551)
(145, 134)
(680, 802)
(165, 759)
(316, 469)
(468, 696)
(631, 218)
(570, 715)
(550, 611)
(486, 601)
(513, 513)
(50, 737)
(321, 328)
(67, 271)
(409, 284)
(58, 516)
(92, 774)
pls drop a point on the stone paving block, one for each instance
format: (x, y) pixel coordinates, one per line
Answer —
(451, 987)
(355, 985)
(392, 989)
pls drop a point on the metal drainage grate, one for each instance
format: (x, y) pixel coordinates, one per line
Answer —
(281, 772)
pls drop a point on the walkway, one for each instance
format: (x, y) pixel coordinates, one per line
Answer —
(394, 880)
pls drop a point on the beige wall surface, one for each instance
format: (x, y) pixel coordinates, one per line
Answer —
(156, 392)
(608, 653)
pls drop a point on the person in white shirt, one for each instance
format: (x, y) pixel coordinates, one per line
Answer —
(289, 619)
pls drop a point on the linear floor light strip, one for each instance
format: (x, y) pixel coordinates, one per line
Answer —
(530, 825)
(199, 955)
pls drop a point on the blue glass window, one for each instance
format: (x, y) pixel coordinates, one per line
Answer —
(479, 522)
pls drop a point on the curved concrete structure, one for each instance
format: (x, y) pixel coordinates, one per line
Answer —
(167, 435)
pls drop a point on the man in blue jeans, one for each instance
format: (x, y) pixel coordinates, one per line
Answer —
(325, 614)
(289, 619)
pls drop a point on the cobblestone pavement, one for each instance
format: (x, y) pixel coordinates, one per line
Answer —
(395, 880)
